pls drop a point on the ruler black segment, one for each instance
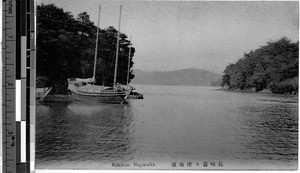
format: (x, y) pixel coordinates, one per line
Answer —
(23, 17)
(28, 39)
(28, 60)
(28, 116)
(27, 166)
(18, 40)
(28, 82)
(21, 168)
(28, 5)
(18, 59)
(28, 22)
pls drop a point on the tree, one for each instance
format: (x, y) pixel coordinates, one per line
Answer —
(66, 48)
(269, 66)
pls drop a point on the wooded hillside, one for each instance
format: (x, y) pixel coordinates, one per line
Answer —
(66, 49)
(273, 66)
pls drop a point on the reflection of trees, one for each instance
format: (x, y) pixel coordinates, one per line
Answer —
(101, 135)
(271, 131)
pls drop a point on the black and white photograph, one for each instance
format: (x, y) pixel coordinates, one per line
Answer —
(166, 85)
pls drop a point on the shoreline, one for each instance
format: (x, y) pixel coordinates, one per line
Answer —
(293, 98)
(266, 91)
(58, 98)
(65, 98)
(290, 98)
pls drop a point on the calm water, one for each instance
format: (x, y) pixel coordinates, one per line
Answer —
(171, 124)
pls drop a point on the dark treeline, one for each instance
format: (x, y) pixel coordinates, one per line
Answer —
(66, 49)
(273, 67)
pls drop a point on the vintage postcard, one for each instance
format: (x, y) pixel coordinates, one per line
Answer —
(166, 85)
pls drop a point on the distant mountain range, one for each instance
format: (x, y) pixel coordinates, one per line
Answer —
(184, 77)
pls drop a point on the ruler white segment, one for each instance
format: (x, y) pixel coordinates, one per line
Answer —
(31, 166)
(23, 99)
(23, 141)
(23, 57)
(18, 100)
(32, 150)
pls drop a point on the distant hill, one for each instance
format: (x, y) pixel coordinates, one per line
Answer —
(184, 77)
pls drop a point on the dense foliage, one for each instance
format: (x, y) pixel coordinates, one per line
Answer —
(273, 66)
(66, 49)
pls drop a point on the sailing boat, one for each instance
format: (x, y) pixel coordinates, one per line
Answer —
(86, 90)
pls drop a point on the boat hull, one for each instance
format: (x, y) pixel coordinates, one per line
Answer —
(116, 98)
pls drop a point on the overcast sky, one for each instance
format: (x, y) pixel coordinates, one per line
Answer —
(170, 35)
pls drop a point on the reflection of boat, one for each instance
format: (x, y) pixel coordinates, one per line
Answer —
(41, 93)
(87, 109)
(85, 89)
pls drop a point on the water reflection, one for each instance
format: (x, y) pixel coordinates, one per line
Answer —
(78, 132)
(243, 130)
(269, 131)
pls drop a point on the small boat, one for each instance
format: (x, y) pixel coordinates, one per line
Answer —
(135, 95)
(41, 93)
(86, 90)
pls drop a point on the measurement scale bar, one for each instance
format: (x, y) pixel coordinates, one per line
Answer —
(18, 59)
(8, 96)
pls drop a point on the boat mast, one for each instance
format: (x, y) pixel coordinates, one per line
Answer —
(117, 53)
(129, 61)
(96, 49)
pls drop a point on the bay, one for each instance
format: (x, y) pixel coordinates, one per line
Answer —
(204, 126)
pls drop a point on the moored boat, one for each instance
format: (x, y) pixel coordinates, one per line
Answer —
(41, 93)
(86, 90)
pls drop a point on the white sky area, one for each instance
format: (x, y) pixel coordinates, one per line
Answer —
(171, 35)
